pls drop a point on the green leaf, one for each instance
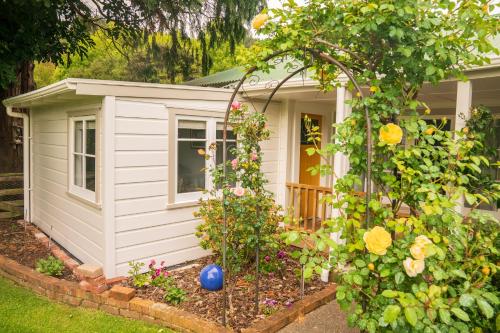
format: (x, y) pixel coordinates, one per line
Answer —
(466, 300)
(359, 263)
(485, 308)
(391, 313)
(357, 279)
(491, 297)
(461, 314)
(390, 293)
(445, 316)
(310, 151)
(385, 272)
(471, 198)
(459, 273)
(399, 277)
(411, 316)
(430, 70)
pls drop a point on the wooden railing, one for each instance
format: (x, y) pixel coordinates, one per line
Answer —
(11, 195)
(307, 206)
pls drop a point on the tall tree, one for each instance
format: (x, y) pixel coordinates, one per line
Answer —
(53, 30)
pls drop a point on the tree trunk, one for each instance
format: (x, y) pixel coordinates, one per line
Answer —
(11, 131)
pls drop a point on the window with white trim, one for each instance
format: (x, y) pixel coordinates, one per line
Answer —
(83, 159)
(194, 135)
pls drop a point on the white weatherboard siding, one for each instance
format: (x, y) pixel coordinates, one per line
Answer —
(75, 225)
(145, 228)
(270, 148)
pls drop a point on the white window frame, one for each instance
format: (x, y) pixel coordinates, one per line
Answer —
(211, 137)
(81, 191)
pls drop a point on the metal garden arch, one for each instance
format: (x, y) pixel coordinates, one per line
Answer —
(328, 59)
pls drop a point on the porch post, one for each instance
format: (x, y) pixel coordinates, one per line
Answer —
(340, 161)
(462, 114)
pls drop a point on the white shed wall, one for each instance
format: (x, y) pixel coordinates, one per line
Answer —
(145, 228)
(75, 225)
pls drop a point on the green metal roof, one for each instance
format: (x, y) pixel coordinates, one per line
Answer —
(227, 77)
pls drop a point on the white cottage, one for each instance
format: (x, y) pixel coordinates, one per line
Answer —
(112, 171)
(105, 179)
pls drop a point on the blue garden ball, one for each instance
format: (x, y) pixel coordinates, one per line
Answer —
(212, 277)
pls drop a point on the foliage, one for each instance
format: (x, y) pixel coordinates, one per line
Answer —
(50, 31)
(51, 266)
(174, 295)
(434, 270)
(156, 277)
(21, 310)
(133, 63)
(481, 126)
(252, 215)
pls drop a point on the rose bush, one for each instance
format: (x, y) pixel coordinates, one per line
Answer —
(252, 215)
(434, 269)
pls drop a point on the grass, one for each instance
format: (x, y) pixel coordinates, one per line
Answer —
(23, 311)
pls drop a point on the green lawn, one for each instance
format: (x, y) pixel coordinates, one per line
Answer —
(23, 311)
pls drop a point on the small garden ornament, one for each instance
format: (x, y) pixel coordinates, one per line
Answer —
(212, 277)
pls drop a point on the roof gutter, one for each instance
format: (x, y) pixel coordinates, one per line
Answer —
(25, 100)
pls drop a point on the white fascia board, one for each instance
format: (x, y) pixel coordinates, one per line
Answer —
(50, 90)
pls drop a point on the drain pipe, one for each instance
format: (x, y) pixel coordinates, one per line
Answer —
(26, 159)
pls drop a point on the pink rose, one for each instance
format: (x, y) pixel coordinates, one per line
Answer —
(254, 156)
(152, 263)
(238, 191)
(234, 163)
(235, 105)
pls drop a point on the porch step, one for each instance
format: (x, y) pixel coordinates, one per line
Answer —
(9, 215)
(11, 191)
(12, 206)
(11, 177)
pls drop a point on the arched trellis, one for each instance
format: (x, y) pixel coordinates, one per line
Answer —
(328, 59)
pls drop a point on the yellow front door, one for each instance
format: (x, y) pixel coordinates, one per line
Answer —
(307, 161)
(307, 199)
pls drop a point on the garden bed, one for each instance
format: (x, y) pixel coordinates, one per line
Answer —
(282, 290)
(20, 245)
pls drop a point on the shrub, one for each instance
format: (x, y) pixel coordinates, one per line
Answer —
(157, 277)
(252, 215)
(50, 266)
(174, 295)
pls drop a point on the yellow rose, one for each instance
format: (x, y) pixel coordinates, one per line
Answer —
(259, 21)
(391, 134)
(427, 111)
(417, 251)
(422, 241)
(430, 130)
(373, 89)
(413, 267)
(377, 240)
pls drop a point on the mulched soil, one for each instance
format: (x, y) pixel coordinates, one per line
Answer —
(21, 246)
(285, 290)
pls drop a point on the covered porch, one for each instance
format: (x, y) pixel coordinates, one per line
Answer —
(287, 161)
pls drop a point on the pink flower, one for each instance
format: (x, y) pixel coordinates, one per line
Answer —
(152, 263)
(157, 272)
(267, 258)
(165, 274)
(235, 105)
(234, 163)
(238, 191)
(162, 263)
(254, 156)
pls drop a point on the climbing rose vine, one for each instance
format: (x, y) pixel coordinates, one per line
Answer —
(252, 216)
(434, 269)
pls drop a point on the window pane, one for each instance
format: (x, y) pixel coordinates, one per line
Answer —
(78, 136)
(220, 132)
(78, 179)
(191, 129)
(218, 153)
(90, 139)
(190, 167)
(90, 173)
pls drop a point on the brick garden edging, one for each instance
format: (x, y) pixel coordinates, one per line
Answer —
(117, 301)
(121, 301)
